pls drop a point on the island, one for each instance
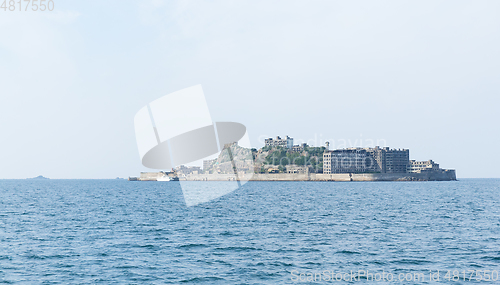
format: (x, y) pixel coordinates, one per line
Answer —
(281, 160)
(39, 177)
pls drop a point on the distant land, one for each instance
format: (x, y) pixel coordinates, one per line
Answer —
(38, 177)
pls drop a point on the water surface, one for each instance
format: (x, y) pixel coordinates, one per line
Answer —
(121, 232)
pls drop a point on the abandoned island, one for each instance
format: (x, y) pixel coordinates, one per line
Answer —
(281, 160)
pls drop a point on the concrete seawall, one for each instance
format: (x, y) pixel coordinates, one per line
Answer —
(444, 175)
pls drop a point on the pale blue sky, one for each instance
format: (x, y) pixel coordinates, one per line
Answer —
(422, 75)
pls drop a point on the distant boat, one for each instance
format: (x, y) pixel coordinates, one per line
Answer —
(165, 177)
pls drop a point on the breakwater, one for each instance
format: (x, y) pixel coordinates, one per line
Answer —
(443, 175)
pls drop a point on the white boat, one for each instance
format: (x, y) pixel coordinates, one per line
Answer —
(165, 177)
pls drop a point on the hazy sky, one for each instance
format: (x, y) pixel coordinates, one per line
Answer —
(423, 75)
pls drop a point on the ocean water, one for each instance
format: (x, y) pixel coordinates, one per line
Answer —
(121, 232)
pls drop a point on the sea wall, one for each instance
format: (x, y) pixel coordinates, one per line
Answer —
(442, 175)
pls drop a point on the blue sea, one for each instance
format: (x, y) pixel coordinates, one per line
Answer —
(121, 232)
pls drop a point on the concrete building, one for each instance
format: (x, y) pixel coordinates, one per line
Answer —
(207, 164)
(297, 169)
(378, 155)
(352, 160)
(419, 166)
(366, 160)
(286, 142)
(396, 160)
(185, 170)
(148, 176)
(299, 147)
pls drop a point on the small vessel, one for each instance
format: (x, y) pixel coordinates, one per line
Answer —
(162, 176)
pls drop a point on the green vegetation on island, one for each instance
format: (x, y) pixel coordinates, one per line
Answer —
(268, 159)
